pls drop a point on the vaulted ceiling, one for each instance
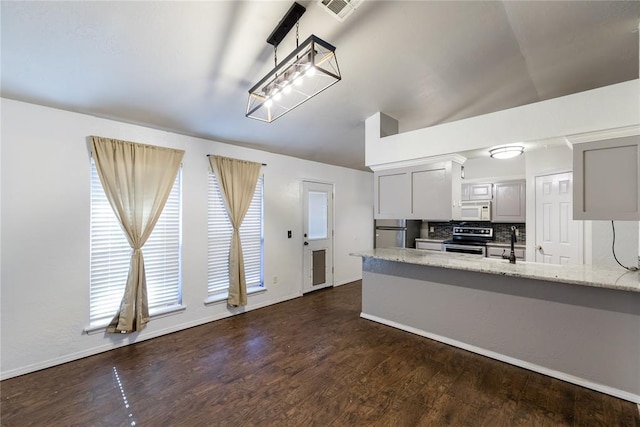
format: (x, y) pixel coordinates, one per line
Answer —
(187, 66)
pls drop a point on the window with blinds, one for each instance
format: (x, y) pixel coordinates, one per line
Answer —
(111, 254)
(219, 238)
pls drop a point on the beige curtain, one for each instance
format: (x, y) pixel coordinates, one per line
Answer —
(137, 180)
(237, 180)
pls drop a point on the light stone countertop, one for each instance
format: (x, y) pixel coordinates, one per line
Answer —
(584, 275)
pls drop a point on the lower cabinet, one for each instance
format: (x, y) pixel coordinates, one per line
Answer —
(498, 251)
(429, 246)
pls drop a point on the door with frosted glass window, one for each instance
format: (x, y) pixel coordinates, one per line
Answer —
(317, 236)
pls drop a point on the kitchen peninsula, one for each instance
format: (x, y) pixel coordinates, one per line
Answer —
(578, 323)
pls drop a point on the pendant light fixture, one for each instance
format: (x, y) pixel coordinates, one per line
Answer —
(308, 70)
(506, 152)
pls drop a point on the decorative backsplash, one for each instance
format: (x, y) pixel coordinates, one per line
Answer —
(501, 230)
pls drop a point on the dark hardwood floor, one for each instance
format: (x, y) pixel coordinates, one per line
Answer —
(311, 361)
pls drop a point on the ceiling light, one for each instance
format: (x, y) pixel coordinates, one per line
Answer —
(507, 152)
(314, 59)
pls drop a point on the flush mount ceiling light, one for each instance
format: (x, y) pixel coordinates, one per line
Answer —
(507, 152)
(308, 70)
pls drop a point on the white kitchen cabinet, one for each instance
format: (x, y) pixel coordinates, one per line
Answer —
(509, 201)
(472, 192)
(498, 251)
(392, 194)
(435, 191)
(429, 246)
(606, 179)
(428, 191)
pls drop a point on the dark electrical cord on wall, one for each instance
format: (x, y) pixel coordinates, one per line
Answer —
(613, 249)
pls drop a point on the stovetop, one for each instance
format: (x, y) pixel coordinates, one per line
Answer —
(472, 236)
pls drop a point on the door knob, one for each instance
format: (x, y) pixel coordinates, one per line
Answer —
(306, 243)
(539, 249)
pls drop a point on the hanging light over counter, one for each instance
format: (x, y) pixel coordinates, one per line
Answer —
(308, 70)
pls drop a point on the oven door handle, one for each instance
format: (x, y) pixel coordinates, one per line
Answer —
(465, 249)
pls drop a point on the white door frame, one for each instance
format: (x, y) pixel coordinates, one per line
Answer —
(585, 231)
(331, 212)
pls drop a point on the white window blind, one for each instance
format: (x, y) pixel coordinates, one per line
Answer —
(219, 238)
(111, 255)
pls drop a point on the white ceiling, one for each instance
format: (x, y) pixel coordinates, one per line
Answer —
(187, 66)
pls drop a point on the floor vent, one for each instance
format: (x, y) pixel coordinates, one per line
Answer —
(340, 9)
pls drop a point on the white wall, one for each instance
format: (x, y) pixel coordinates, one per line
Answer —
(486, 169)
(45, 176)
(626, 243)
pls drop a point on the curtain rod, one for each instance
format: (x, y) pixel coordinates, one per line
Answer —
(209, 155)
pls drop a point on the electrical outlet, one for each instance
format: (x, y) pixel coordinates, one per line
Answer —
(517, 233)
(275, 280)
(432, 229)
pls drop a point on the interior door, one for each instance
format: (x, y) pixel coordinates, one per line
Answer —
(558, 236)
(317, 236)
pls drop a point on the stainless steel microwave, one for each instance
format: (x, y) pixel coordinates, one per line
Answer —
(475, 211)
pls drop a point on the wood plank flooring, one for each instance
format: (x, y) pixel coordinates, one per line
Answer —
(311, 361)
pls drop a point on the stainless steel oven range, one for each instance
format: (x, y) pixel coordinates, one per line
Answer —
(469, 240)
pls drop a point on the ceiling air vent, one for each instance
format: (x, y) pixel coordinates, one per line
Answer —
(340, 9)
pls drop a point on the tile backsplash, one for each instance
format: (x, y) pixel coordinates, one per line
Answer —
(501, 230)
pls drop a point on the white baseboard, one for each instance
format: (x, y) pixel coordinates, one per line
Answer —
(507, 359)
(143, 336)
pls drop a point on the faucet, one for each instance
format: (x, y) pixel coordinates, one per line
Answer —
(512, 254)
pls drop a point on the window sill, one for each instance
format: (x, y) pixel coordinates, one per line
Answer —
(156, 314)
(222, 297)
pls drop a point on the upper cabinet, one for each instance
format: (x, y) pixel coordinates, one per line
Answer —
(472, 192)
(435, 190)
(508, 198)
(392, 194)
(509, 202)
(428, 191)
(606, 179)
